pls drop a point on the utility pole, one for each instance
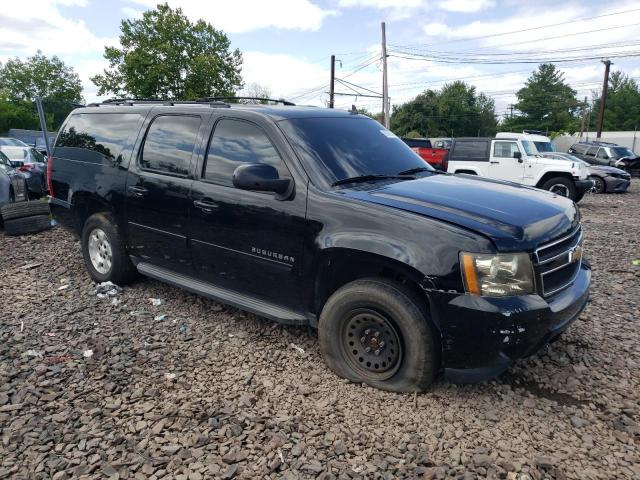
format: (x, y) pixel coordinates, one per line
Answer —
(385, 87)
(333, 80)
(584, 118)
(603, 99)
(43, 125)
(511, 114)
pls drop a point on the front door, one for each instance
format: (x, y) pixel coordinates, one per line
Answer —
(503, 164)
(158, 187)
(249, 242)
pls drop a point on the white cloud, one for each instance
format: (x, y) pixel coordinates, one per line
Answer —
(381, 3)
(131, 12)
(465, 6)
(246, 15)
(31, 25)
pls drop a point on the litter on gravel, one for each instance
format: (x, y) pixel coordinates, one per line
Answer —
(107, 289)
(156, 302)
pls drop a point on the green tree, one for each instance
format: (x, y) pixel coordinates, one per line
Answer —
(456, 110)
(22, 81)
(623, 104)
(546, 102)
(164, 55)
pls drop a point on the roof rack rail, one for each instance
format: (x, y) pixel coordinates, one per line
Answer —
(147, 101)
(262, 99)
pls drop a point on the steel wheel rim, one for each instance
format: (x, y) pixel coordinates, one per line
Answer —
(559, 189)
(100, 252)
(370, 344)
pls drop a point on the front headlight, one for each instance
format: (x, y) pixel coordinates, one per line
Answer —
(497, 275)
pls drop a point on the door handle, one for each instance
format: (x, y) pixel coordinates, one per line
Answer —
(207, 206)
(494, 161)
(138, 191)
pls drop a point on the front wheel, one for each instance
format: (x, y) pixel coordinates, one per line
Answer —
(378, 332)
(561, 186)
(104, 251)
(599, 186)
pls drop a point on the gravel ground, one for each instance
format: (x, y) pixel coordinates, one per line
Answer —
(212, 392)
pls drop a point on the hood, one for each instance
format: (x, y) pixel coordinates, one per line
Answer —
(576, 168)
(606, 169)
(514, 217)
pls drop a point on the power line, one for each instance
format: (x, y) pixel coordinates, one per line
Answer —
(526, 29)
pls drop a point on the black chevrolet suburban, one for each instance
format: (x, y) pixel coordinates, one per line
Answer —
(320, 217)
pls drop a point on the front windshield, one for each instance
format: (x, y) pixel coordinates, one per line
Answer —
(619, 152)
(344, 147)
(12, 142)
(544, 146)
(529, 147)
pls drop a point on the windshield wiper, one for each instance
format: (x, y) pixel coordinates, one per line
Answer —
(411, 171)
(368, 178)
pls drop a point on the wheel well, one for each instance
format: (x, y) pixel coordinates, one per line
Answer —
(468, 172)
(550, 175)
(85, 205)
(341, 266)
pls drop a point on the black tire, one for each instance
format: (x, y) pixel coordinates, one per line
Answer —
(379, 309)
(24, 209)
(599, 186)
(556, 184)
(121, 270)
(26, 225)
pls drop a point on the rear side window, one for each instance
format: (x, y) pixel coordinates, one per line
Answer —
(169, 144)
(591, 152)
(602, 153)
(96, 137)
(477, 150)
(505, 149)
(579, 149)
(236, 142)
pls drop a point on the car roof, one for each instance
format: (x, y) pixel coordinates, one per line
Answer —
(276, 112)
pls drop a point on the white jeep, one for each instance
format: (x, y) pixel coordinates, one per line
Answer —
(515, 158)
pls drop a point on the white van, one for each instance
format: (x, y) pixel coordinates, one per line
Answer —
(543, 144)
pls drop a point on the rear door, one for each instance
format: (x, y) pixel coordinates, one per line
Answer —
(470, 156)
(245, 241)
(158, 188)
(590, 155)
(504, 165)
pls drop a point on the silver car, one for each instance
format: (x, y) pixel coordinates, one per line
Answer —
(606, 179)
(13, 185)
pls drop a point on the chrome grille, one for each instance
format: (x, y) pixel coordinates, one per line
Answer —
(557, 263)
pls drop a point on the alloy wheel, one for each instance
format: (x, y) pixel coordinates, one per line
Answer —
(100, 251)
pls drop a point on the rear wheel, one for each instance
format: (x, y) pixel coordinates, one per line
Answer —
(378, 332)
(561, 186)
(104, 250)
(599, 185)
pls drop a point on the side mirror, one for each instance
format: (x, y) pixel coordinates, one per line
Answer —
(518, 155)
(261, 177)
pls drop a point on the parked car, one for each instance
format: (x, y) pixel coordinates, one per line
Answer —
(517, 160)
(436, 157)
(13, 186)
(321, 217)
(442, 143)
(11, 142)
(603, 153)
(606, 179)
(542, 142)
(32, 164)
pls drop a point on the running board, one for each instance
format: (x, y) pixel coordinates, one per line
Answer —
(235, 299)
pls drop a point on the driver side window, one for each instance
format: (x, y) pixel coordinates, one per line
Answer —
(505, 149)
(602, 153)
(237, 142)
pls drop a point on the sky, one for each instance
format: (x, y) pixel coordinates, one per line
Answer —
(287, 44)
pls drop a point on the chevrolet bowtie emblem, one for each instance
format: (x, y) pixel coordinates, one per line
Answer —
(575, 254)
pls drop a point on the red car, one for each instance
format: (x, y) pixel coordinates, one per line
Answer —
(436, 157)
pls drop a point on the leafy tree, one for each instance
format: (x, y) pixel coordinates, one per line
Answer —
(257, 91)
(164, 55)
(22, 81)
(456, 110)
(623, 104)
(546, 102)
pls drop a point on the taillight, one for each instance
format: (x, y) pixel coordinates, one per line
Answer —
(49, 181)
(25, 167)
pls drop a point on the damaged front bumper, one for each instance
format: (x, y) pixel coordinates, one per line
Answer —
(482, 336)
